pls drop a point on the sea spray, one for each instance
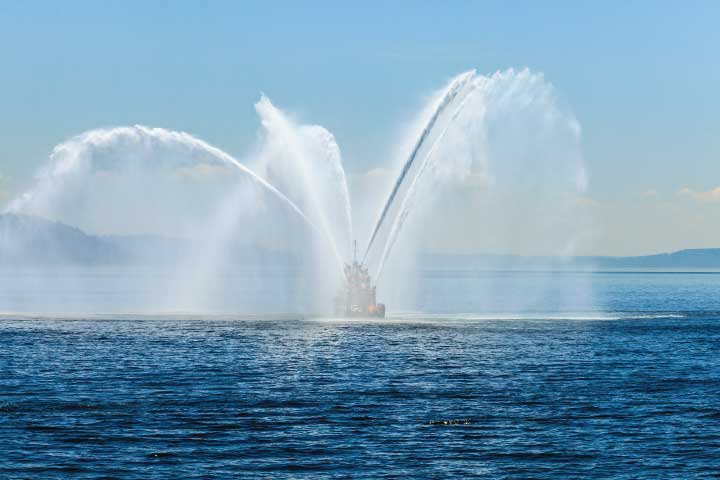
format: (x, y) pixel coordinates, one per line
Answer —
(141, 182)
(503, 133)
(304, 162)
(502, 174)
(76, 155)
(451, 93)
(409, 200)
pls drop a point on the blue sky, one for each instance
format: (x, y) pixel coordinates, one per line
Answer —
(641, 77)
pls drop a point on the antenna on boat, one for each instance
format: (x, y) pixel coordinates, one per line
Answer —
(354, 251)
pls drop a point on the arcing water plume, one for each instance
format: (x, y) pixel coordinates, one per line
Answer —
(171, 198)
(501, 147)
(137, 149)
(412, 190)
(500, 167)
(304, 162)
(76, 156)
(451, 93)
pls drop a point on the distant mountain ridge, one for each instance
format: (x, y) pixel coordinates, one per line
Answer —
(701, 258)
(692, 257)
(30, 240)
(27, 239)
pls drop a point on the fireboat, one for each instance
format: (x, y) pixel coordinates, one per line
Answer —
(356, 298)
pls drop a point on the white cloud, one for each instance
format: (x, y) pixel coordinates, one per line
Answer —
(712, 195)
(651, 193)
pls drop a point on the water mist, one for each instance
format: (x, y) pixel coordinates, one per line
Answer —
(491, 164)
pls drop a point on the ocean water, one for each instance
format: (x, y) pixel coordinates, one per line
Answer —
(505, 375)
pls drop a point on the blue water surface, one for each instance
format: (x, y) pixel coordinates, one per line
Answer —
(444, 388)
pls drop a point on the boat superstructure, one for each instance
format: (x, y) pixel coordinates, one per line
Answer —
(357, 297)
